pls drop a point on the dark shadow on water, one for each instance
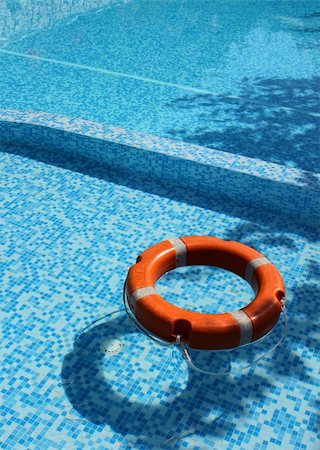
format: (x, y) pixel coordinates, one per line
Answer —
(186, 409)
(147, 424)
(273, 119)
(311, 16)
(91, 394)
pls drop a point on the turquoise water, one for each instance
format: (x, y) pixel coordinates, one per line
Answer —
(69, 231)
(240, 76)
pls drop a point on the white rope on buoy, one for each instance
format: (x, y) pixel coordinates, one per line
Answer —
(179, 341)
(189, 362)
(183, 346)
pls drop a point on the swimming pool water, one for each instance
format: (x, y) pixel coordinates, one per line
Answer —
(69, 230)
(240, 76)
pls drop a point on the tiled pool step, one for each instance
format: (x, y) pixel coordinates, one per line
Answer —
(289, 192)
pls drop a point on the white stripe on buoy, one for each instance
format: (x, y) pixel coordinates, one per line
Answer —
(253, 265)
(181, 251)
(245, 325)
(140, 293)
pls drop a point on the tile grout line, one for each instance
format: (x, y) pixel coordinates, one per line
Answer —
(140, 78)
(108, 72)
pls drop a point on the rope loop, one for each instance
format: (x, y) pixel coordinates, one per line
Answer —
(190, 364)
(187, 357)
(183, 346)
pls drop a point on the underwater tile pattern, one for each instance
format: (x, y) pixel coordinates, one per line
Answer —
(238, 76)
(235, 178)
(20, 18)
(69, 229)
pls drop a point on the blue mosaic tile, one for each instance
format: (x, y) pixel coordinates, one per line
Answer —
(241, 78)
(257, 183)
(79, 200)
(69, 230)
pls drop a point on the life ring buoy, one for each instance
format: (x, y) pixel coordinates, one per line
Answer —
(198, 330)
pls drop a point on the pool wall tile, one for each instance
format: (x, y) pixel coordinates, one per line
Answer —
(75, 374)
(235, 178)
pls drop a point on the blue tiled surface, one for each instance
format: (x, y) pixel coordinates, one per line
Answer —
(69, 230)
(238, 76)
(79, 200)
(255, 183)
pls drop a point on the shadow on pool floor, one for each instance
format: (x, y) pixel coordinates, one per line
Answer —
(91, 392)
(92, 395)
(272, 119)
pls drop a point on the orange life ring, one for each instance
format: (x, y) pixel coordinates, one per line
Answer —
(198, 330)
